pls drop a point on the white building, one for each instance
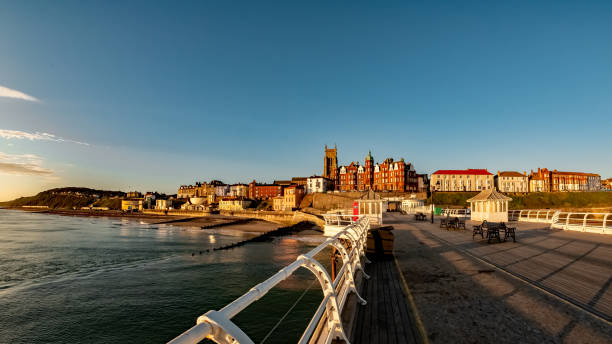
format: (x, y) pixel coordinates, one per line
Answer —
(163, 204)
(318, 184)
(510, 181)
(239, 190)
(222, 190)
(234, 204)
(489, 205)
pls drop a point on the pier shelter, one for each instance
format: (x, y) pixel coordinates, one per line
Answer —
(489, 205)
(372, 206)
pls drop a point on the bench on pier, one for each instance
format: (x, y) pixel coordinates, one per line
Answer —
(420, 217)
(492, 231)
(452, 223)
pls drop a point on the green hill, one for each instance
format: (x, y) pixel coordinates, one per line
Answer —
(534, 200)
(69, 198)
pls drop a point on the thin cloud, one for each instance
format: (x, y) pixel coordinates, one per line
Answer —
(20, 135)
(24, 164)
(10, 93)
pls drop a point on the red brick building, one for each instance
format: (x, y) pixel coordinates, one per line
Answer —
(557, 181)
(264, 191)
(389, 175)
(347, 177)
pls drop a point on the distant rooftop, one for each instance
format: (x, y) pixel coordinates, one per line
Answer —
(482, 172)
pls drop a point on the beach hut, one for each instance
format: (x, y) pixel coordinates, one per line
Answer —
(489, 205)
(370, 204)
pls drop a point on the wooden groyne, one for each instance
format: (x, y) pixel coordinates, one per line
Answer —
(282, 231)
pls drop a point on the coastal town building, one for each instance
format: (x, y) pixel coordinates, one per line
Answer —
(293, 196)
(278, 203)
(511, 181)
(347, 177)
(196, 204)
(132, 204)
(422, 182)
(461, 180)
(606, 184)
(389, 175)
(539, 181)
(395, 176)
(222, 190)
(234, 203)
(239, 190)
(264, 191)
(560, 181)
(299, 181)
(163, 204)
(131, 194)
(574, 181)
(197, 190)
(318, 184)
(594, 182)
(537, 184)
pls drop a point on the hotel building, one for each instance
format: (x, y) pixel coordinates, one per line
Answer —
(510, 181)
(461, 180)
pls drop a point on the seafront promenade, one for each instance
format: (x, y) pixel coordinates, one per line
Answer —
(549, 286)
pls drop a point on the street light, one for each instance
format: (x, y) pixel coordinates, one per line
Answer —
(432, 205)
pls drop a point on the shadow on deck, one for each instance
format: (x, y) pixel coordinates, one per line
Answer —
(388, 317)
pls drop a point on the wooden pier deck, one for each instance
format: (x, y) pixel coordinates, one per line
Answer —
(387, 318)
(550, 285)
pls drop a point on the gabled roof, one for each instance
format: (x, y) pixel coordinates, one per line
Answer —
(370, 195)
(490, 194)
(511, 174)
(482, 172)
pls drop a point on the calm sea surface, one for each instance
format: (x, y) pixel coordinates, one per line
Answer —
(106, 280)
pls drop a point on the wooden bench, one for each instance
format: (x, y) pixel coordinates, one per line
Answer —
(508, 232)
(460, 223)
(479, 229)
(444, 222)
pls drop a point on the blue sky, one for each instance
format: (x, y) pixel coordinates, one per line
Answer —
(150, 95)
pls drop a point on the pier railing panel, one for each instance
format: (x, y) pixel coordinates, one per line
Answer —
(583, 222)
(326, 323)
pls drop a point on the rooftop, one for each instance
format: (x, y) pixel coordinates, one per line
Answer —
(510, 174)
(490, 194)
(482, 172)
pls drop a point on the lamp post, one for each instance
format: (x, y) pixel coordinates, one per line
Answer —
(432, 205)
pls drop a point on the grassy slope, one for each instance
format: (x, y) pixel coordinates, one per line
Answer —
(52, 199)
(535, 200)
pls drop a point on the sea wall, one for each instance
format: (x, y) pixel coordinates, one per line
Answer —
(286, 218)
(177, 212)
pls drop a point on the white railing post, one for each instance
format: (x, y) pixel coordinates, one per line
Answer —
(604, 228)
(567, 220)
(217, 326)
(584, 221)
(555, 218)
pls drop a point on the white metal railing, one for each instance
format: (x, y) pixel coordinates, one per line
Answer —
(326, 324)
(584, 222)
(341, 220)
(532, 215)
(455, 212)
(416, 209)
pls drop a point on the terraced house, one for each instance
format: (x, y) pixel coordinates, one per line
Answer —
(461, 180)
(511, 181)
(389, 175)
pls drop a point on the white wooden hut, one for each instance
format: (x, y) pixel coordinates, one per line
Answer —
(372, 205)
(489, 205)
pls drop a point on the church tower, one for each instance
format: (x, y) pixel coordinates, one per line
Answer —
(330, 163)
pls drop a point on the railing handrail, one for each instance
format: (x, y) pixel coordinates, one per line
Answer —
(217, 326)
